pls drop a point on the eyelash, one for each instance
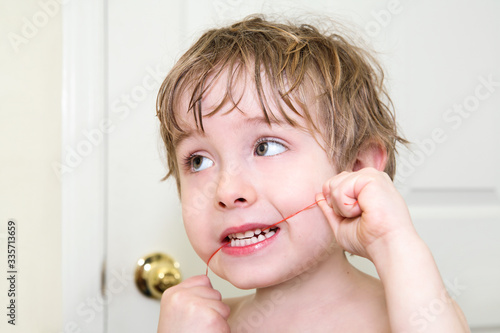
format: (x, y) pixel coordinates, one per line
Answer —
(187, 161)
(265, 139)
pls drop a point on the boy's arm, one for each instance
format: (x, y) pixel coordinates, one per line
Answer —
(370, 219)
(417, 299)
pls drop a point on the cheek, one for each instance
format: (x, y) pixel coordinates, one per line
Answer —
(299, 187)
(195, 223)
(197, 194)
(318, 240)
(314, 225)
(196, 235)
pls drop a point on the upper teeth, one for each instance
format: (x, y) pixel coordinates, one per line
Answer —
(250, 237)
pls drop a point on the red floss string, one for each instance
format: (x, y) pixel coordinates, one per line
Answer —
(272, 225)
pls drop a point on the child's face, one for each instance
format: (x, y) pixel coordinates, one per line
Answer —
(242, 174)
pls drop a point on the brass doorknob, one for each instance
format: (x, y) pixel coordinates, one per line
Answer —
(156, 273)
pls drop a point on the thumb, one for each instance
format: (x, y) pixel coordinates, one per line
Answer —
(330, 215)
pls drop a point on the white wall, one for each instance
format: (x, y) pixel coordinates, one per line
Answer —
(30, 140)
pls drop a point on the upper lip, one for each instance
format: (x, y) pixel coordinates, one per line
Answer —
(242, 228)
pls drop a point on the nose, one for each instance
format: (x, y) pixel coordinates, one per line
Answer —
(235, 190)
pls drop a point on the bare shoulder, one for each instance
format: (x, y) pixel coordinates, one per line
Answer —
(364, 310)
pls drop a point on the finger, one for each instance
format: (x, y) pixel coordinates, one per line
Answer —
(212, 321)
(221, 308)
(330, 186)
(205, 292)
(198, 286)
(210, 298)
(197, 280)
(344, 195)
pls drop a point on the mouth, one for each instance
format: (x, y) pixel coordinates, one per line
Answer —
(250, 237)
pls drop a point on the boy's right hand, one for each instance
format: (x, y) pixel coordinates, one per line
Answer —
(193, 306)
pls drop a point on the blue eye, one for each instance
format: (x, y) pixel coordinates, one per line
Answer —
(199, 163)
(269, 148)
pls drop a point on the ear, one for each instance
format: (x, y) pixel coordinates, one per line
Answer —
(371, 154)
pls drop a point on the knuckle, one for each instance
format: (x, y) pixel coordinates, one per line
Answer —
(326, 186)
(216, 294)
(215, 323)
(212, 319)
(177, 297)
(337, 192)
(194, 308)
(167, 294)
(386, 177)
(173, 297)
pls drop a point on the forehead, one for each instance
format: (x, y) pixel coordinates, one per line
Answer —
(254, 96)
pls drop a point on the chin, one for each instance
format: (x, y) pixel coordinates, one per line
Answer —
(247, 285)
(253, 279)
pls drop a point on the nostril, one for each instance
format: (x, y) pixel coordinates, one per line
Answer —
(236, 202)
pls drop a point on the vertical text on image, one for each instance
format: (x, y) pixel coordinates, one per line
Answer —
(12, 272)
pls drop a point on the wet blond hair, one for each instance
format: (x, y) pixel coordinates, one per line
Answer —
(352, 106)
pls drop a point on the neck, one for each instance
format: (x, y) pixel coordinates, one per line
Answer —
(332, 275)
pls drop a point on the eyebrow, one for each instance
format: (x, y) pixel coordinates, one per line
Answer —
(263, 120)
(253, 121)
(185, 135)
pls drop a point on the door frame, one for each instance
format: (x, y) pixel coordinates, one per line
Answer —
(83, 167)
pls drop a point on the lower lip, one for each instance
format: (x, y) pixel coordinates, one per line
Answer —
(249, 249)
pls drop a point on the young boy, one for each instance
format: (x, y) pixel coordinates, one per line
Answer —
(262, 120)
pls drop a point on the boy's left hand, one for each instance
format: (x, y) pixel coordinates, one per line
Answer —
(365, 211)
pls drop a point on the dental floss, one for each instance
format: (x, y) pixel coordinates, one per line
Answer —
(272, 225)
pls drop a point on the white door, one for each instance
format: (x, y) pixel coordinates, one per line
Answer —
(442, 66)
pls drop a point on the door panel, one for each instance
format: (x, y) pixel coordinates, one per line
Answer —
(143, 214)
(435, 61)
